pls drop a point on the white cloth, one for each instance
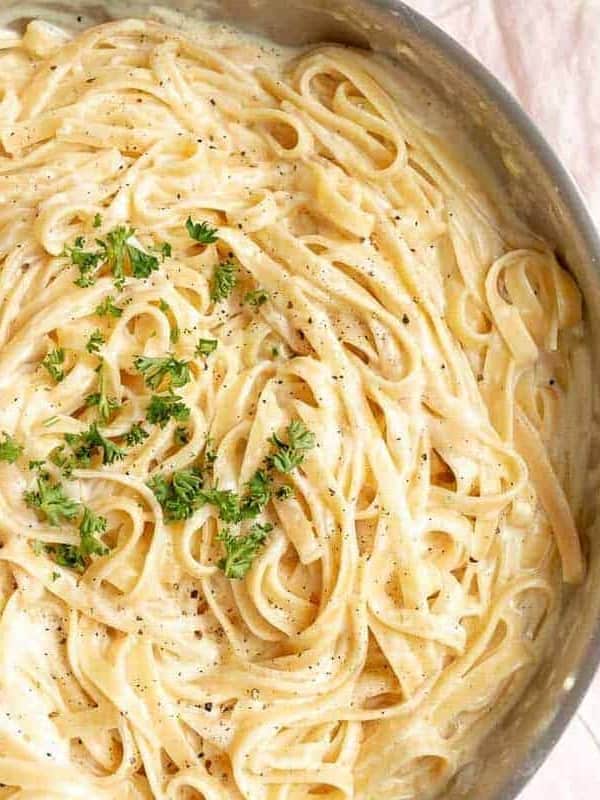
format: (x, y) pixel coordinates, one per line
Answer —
(547, 52)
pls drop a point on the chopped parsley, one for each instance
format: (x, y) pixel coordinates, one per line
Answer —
(51, 501)
(107, 307)
(205, 347)
(55, 576)
(257, 298)
(54, 363)
(136, 435)
(86, 261)
(68, 555)
(90, 528)
(163, 407)
(241, 550)
(286, 456)
(95, 342)
(97, 221)
(85, 444)
(106, 405)
(10, 449)
(163, 371)
(226, 501)
(258, 493)
(64, 460)
(116, 251)
(77, 557)
(223, 281)
(164, 249)
(201, 232)
(180, 496)
(166, 309)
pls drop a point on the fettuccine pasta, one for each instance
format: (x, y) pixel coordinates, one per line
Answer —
(292, 426)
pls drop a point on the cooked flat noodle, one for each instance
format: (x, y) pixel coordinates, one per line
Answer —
(386, 299)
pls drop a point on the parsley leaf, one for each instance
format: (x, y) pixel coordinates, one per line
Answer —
(166, 309)
(54, 364)
(64, 460)
(95, 342)
(86, 261)
(240, 551)
(223, 281)
(85, 444)
(289, 455)
(258, 494)
(179, 496)
(91, 526)
(107, 307)
(113, 251)
(106, 405)
(68, 555)
(163, 371)
(201, 231)
(226, 501)
(142, 264)
(205, 347)
(257, 298)
(163, 407)
(97, 221)
(10, 449)
(51, 501)
(136, 435)
(164, 249)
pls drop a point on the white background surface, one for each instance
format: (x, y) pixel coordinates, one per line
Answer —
(547, 52)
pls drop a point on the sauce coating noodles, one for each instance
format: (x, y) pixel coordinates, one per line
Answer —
(414, 350)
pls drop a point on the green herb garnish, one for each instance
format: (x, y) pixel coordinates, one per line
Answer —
(64, 460)
(51, 501)
(68, 555)
(91, 526)
(85, 260)
(226, 501)
(10, 449)
(201, 231)
(163, 371)
(181, 495)
(164, 249)
(164, 407)
(166, 309)
(258, 494)
(97, 221)
(106, 405)
(205, 347)
(85, 444)
(257, 298)
(136, 435)
(95, 342)
(223, 281)
(54, 362)
(107, 307)
(240, 551)
(289, 455)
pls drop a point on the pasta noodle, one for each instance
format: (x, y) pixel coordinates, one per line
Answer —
(292, 433)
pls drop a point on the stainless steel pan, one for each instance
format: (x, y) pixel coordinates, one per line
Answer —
(544, 194)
